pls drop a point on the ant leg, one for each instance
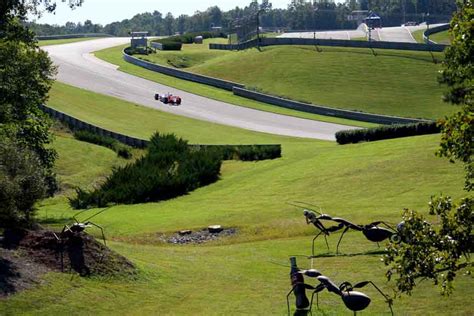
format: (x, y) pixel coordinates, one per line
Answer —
(388, 300)
(288, 299)
(340, 238)
(102, 230)
(312, 246)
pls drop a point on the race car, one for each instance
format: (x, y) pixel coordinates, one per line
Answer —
(168, 98)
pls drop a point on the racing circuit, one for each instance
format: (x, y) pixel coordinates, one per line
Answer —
(78, 67)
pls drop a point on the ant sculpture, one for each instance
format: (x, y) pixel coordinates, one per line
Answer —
(354, 300)
(373, 231)
(74, 228)
(79, 227)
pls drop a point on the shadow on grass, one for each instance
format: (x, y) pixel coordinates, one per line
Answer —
(8, 274)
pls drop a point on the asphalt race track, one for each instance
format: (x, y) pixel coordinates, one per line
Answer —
(78, 67)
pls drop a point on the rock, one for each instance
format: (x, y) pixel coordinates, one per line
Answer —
(215, 229)
(184, 232)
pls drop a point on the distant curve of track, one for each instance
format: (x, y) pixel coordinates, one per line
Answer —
(78, 67)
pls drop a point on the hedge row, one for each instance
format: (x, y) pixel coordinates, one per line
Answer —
(175, 42)
(171, 168)
(386, 132)
(250, 152)
(122, 150)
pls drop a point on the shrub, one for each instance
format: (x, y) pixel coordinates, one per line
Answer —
(386, 132)
(121, 149)
(246, 152)
(169, 169)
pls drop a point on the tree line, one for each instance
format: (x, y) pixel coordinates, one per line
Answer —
(299, 15)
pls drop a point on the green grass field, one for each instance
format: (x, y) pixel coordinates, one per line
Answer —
(243, 274)
(64, 41)
(397, 83)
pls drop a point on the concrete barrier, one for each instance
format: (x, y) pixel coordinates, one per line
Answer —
(332, 43)
(223, 84)
(322, 110)
(68, 36)
(434, 30)
(76, 124)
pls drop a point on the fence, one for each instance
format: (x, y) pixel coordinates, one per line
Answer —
(331, 42)
(67, 36)
(223, 84)
(433, 30)
(76, 124)
(317, 109)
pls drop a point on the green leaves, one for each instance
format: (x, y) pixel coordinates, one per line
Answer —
(436, 252)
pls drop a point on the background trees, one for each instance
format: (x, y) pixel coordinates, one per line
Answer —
(300, 14)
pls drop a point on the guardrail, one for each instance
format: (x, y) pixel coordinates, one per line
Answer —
(76, 124)
(219, 83)
(322, 110)
(434, 30)
(67, 36)
(332, 43)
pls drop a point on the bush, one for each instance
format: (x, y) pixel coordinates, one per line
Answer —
(122, 150)
(138, 50)
(245, 152)
(188, 38)
(386, 132)
(170, 169)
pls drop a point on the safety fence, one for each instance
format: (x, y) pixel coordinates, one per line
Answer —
(258, 151)
(330, 42)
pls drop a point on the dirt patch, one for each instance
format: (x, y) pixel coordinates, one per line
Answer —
(25, 255)
(198, 237)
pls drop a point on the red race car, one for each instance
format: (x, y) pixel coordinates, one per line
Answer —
(168, 98)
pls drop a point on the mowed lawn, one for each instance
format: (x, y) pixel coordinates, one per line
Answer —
(401, 83)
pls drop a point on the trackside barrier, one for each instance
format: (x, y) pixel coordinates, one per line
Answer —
(223, 84)
(76, 124)
(322, 110)
(333, 43)
(433, 30)
(68, 36)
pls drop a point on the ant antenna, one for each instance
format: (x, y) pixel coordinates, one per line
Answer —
(100, 212)
(305, 205)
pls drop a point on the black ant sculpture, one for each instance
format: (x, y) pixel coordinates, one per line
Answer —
(74, 228)
(372, 231)
(354, 300)
(79, 227)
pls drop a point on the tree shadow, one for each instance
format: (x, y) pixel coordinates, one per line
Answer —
(366, 253)
(8, 275)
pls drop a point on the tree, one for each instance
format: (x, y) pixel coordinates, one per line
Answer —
(440, 252)
(26, 162)
(22, 183)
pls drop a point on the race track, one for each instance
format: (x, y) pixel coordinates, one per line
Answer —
(78, 67)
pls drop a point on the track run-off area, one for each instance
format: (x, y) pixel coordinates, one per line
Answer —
(77, 66)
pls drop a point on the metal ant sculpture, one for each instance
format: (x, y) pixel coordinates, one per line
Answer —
(373, 231)
(75, 228)
(79, 227)
(354, 300)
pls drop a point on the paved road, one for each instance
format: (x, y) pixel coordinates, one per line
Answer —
(78, 67)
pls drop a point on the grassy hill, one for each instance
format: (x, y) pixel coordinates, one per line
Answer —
(401, 83)
(242, 274)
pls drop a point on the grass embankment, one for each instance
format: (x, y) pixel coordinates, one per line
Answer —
(64, 41)
(401, 83)
(440, 37)
(363, 182)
